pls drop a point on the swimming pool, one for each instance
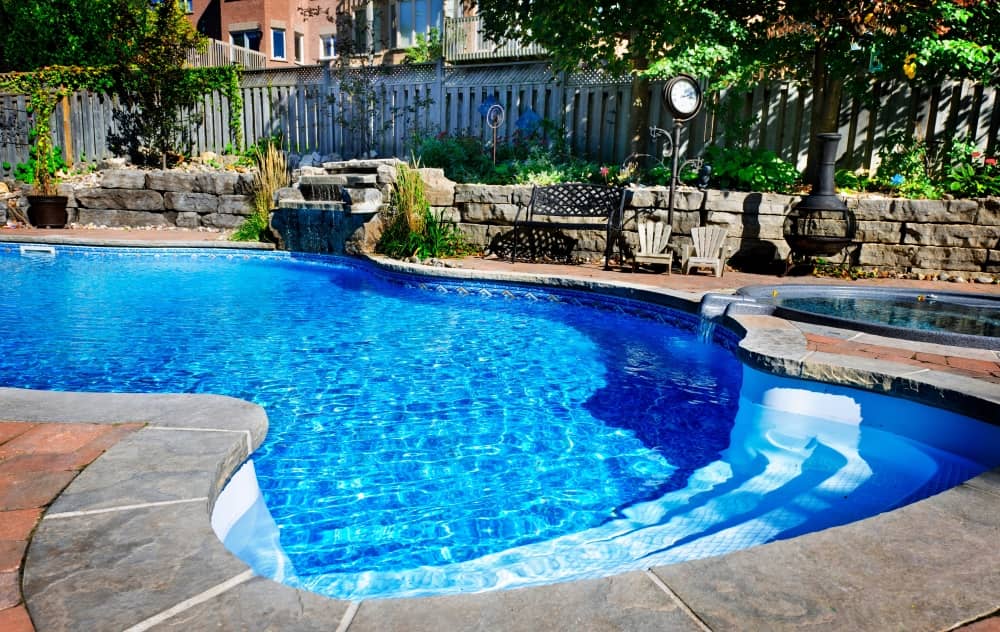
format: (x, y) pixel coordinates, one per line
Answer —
(431, 437)
(954, 318)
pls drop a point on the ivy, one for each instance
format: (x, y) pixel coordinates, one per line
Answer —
(44, 89)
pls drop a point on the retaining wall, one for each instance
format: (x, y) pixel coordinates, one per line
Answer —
(897, 234)
(922, 236)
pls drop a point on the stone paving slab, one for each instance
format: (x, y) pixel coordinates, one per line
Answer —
(126, 475)
(923, 567)
(113, 570)
(631, 602)
(261, 604)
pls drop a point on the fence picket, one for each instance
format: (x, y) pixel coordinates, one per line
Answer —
(314, 112)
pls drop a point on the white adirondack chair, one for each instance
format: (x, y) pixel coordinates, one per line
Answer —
(653, 246)
(709, 249)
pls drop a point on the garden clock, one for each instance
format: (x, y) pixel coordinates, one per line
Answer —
(683, 96)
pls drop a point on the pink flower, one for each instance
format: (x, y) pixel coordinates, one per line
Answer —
(977, 154)
(604, 172)
(990, 162)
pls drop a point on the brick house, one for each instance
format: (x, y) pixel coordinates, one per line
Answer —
(305, 32)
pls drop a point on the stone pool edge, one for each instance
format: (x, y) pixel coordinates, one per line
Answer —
(112, 554)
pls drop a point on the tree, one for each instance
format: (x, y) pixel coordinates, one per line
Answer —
(39, 33)
(157, 87)
(617, 35)
(827, 45)
(838, 47)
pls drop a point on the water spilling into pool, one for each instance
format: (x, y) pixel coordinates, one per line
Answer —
(432, 437)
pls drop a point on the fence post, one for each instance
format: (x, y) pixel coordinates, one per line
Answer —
(438, 95)
(67, 132)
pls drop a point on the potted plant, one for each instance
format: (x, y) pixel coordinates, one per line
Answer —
(47, 209)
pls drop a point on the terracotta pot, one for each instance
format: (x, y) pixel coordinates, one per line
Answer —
(47, 211)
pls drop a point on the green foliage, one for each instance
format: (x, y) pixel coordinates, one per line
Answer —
(41, 33)
(530, 157)
(745, 169)
(159, 87)
(252, 229)
(970, 173)
(26, 172)
(850, 181)
(271, 174)
(428, 48)
(44, 88)
(411, 229)
(908, 168)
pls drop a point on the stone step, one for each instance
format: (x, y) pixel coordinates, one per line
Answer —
(340, 180)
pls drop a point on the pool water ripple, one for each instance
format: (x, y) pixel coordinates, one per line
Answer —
(425, 440)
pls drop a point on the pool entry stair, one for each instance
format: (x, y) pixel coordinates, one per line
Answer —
(334, 209)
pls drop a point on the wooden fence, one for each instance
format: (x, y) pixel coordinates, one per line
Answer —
(326, 112)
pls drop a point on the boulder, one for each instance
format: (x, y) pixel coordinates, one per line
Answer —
(123, 179)
(192, 202)
(123, 199)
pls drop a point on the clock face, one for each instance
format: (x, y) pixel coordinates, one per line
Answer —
(684, 97)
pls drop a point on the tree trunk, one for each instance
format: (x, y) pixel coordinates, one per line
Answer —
(638, 112)
(826, 90)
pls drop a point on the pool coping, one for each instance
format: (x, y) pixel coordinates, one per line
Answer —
(128, 544)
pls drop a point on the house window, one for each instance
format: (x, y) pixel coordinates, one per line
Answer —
(278, 43)
(246, 39)
(416, 16)
(299, 47)
(188, 6)
(327, 46)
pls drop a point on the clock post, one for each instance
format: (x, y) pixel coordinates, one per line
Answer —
(683, 97)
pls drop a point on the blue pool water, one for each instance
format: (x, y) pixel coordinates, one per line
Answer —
(432, 437)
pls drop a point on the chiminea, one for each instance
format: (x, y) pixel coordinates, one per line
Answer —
(821, 224)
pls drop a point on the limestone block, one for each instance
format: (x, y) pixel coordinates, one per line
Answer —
(440, 190)
(960, 235)
(879, 232)
(993, 261)
(477, 234)
(989, 212)
(195, 202)
(117, 217)
(222, 220)
(365, 200)
(926, 257)
(934, 211)
(217, 183)
(123, 179)
(871, 208)
(481, 193)
(186, 219)
(237, 204)
(447, 213)
(126, 199)
(244, 184)
(171, 180)
(386, 174)
(285, 193)
(642, 198)
(479, 213)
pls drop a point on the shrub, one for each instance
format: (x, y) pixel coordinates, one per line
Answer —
(969, 172)
(745, 169)
(271, 175)
(410, 229)
(907, 168)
